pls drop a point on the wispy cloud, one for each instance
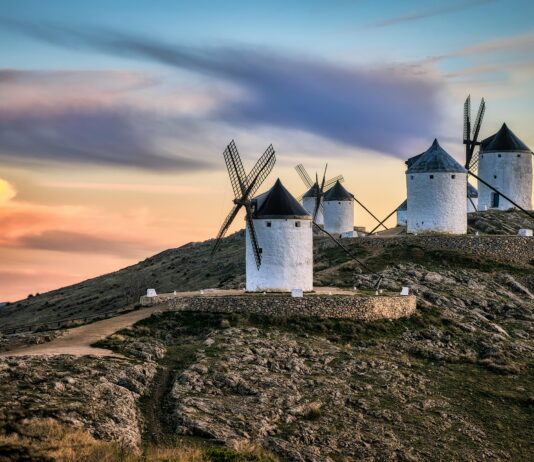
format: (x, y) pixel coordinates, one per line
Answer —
(524, 42)
(69, 241)
(88, 118)
(380, 109)
(429, 12)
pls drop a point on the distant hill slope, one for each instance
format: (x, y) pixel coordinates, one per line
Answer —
(191, 267)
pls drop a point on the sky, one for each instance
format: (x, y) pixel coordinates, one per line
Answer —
(114, 114)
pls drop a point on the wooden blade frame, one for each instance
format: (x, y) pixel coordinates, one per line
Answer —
(244, 187)
(253, 237)
(306, 179)
(332, 181)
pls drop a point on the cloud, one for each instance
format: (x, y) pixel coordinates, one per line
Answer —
(90, 117)
(382, 109)
(429, 13)
(69, 241)
(524, 42)
(117, 136)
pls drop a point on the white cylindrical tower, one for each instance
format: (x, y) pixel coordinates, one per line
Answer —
(309, 200)
(437, 186)
(338, 206)
(505, 162)
(472, 198)
(285, 237)
(402, 214)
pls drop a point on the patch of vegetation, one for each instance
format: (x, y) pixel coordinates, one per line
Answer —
(503, 406)
(230, 455)
(45, 440)
(313, 411)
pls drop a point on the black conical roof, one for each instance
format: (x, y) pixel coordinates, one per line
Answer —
(313, 191)
(435, 159)
(278, 203)
(338, 193)
(413, 160)
(505, 140)
(484, 143)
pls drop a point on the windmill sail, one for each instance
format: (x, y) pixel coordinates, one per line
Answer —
(244, 187)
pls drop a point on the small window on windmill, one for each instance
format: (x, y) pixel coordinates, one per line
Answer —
(519, 155)
(268, 224)
(411, 177)
(297, 224)
(453, 176)
(431, 177)
(499, 155)
(260, 250)
(495, 177)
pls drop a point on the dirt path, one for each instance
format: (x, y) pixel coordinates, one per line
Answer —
(155, 405)
(77, 341)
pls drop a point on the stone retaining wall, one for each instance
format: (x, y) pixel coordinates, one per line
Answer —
(365, 308)
(505, 249)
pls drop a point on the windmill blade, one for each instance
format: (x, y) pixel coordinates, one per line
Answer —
(304, 175)
(476, 131)
(324, 178)
(332, 181)
(260, 172)
(299, 199)
(478, 121)
(226, 224)
(238, 179)
(253, 237)
(467, 120)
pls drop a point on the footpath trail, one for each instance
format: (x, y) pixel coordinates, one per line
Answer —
(78, 340)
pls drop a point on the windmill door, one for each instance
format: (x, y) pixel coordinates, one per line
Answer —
(494, 200)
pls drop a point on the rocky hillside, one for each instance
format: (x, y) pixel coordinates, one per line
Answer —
(453, 382)
(191, 267)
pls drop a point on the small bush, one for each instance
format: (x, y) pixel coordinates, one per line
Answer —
(313, 412)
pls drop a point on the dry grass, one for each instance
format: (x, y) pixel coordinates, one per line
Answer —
(46, 440)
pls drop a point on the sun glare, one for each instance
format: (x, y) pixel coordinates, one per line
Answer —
(7, 191)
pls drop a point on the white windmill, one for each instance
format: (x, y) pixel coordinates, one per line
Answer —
(279, 243)
(505, 162)
(436, 185)
(309, 198)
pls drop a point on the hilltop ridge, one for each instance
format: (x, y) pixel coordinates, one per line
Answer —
(191, 267)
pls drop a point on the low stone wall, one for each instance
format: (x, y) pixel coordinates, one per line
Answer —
(505, 249)
(365, 308)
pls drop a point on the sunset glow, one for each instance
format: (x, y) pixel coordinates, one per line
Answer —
(114, 115)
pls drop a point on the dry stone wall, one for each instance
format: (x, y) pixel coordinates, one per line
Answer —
(505, 249)
(365, 308)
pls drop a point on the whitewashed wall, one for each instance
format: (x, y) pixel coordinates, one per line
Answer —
(402, 217)
(438, 204)
(514, 178)
(287, 256)
(338, 216)
(309, 204)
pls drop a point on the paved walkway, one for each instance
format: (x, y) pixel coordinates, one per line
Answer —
(77, 341)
